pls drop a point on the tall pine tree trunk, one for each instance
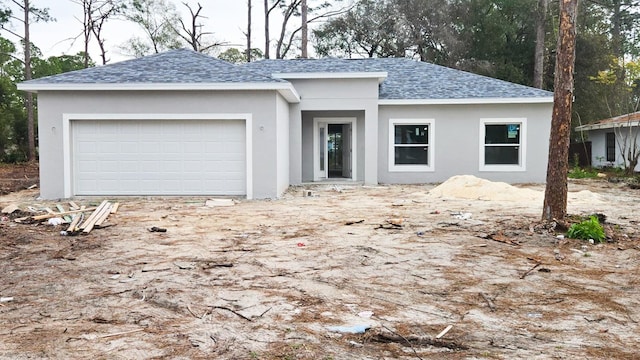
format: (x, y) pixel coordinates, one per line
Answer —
(31, 154)
(555, 196)
(305, 29)
(266, 29)
(248, 30)
(538, 66)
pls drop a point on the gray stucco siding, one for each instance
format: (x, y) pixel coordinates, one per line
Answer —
(307, 140)
(339, 98)
(282, 144)
(338, 89)
(457, 141)
(599, 147)
(263, 109)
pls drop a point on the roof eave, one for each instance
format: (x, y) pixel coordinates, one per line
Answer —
(468, 101)
(284, 88)
(608, 125)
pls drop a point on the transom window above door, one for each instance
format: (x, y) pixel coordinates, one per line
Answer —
(411, 144)
(502, 144)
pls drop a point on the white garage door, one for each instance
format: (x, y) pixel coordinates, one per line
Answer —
(159, 157)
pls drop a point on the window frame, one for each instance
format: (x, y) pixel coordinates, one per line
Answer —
(610, 146)
(430, 123)
(522, 146)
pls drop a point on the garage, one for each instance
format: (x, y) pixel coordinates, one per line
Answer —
(158, 157)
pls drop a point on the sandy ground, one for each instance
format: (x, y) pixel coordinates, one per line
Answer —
(273, 279)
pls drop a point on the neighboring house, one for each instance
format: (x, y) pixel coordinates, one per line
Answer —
(183, 123)
(612, 137)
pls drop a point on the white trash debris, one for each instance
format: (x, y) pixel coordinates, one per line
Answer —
(461, 215)
(219, 202)
(56, 221)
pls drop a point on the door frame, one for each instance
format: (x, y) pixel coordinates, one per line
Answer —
(316, 145)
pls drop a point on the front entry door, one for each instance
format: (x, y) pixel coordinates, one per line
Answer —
(334, 156)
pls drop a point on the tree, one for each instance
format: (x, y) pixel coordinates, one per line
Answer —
(27, 14)
(368, 29)
(305, 29)
(95, 14)
(627, 139)
(497, 38)
(193, 33)
(593, 55)
(538, 66)
(236, 56)
(555, 196)
(248, 34)
(14, 136)
(155, 17)
(268, 9)
(291, 9)
(426, 28)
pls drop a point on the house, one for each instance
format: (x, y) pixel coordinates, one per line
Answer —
(612, 138)
(183, 123)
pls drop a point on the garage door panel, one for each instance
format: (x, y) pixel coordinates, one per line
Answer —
(150, 157)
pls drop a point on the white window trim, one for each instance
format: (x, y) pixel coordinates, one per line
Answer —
(522, 147)
(66, 138)
(431, 145)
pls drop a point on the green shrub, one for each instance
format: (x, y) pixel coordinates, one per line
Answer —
(588, 229)
(580, 173)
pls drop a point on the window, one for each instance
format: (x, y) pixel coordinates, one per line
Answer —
(502, 145)
(611, 147)
(411, 144)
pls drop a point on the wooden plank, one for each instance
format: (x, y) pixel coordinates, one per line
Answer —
(105, 209)
(104, 216)
(93, 214)
(49, 216)
(88, 227)
(61, 209)
(114, 208)
(73, 227)
(73, 205)
(444, 332)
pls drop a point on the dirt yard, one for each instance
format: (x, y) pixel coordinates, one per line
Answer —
(285, 279)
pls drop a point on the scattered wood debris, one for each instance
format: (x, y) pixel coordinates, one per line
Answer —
(10, 209)
(500, 237)
(392, 224)
(351, 222)
(415, 341)
(486, 298)
(529, 271)
(75, 216)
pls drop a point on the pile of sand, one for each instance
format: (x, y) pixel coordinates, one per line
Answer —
(471, 187)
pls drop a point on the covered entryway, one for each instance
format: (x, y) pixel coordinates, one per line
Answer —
(334, 150)
(159, 157)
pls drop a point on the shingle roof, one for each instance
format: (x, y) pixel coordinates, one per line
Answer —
(625, 120)
(408, 79)
(180, 66)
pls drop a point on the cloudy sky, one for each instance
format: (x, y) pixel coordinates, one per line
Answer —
(227, 19)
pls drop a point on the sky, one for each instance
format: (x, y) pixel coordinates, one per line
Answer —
(227, 19)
